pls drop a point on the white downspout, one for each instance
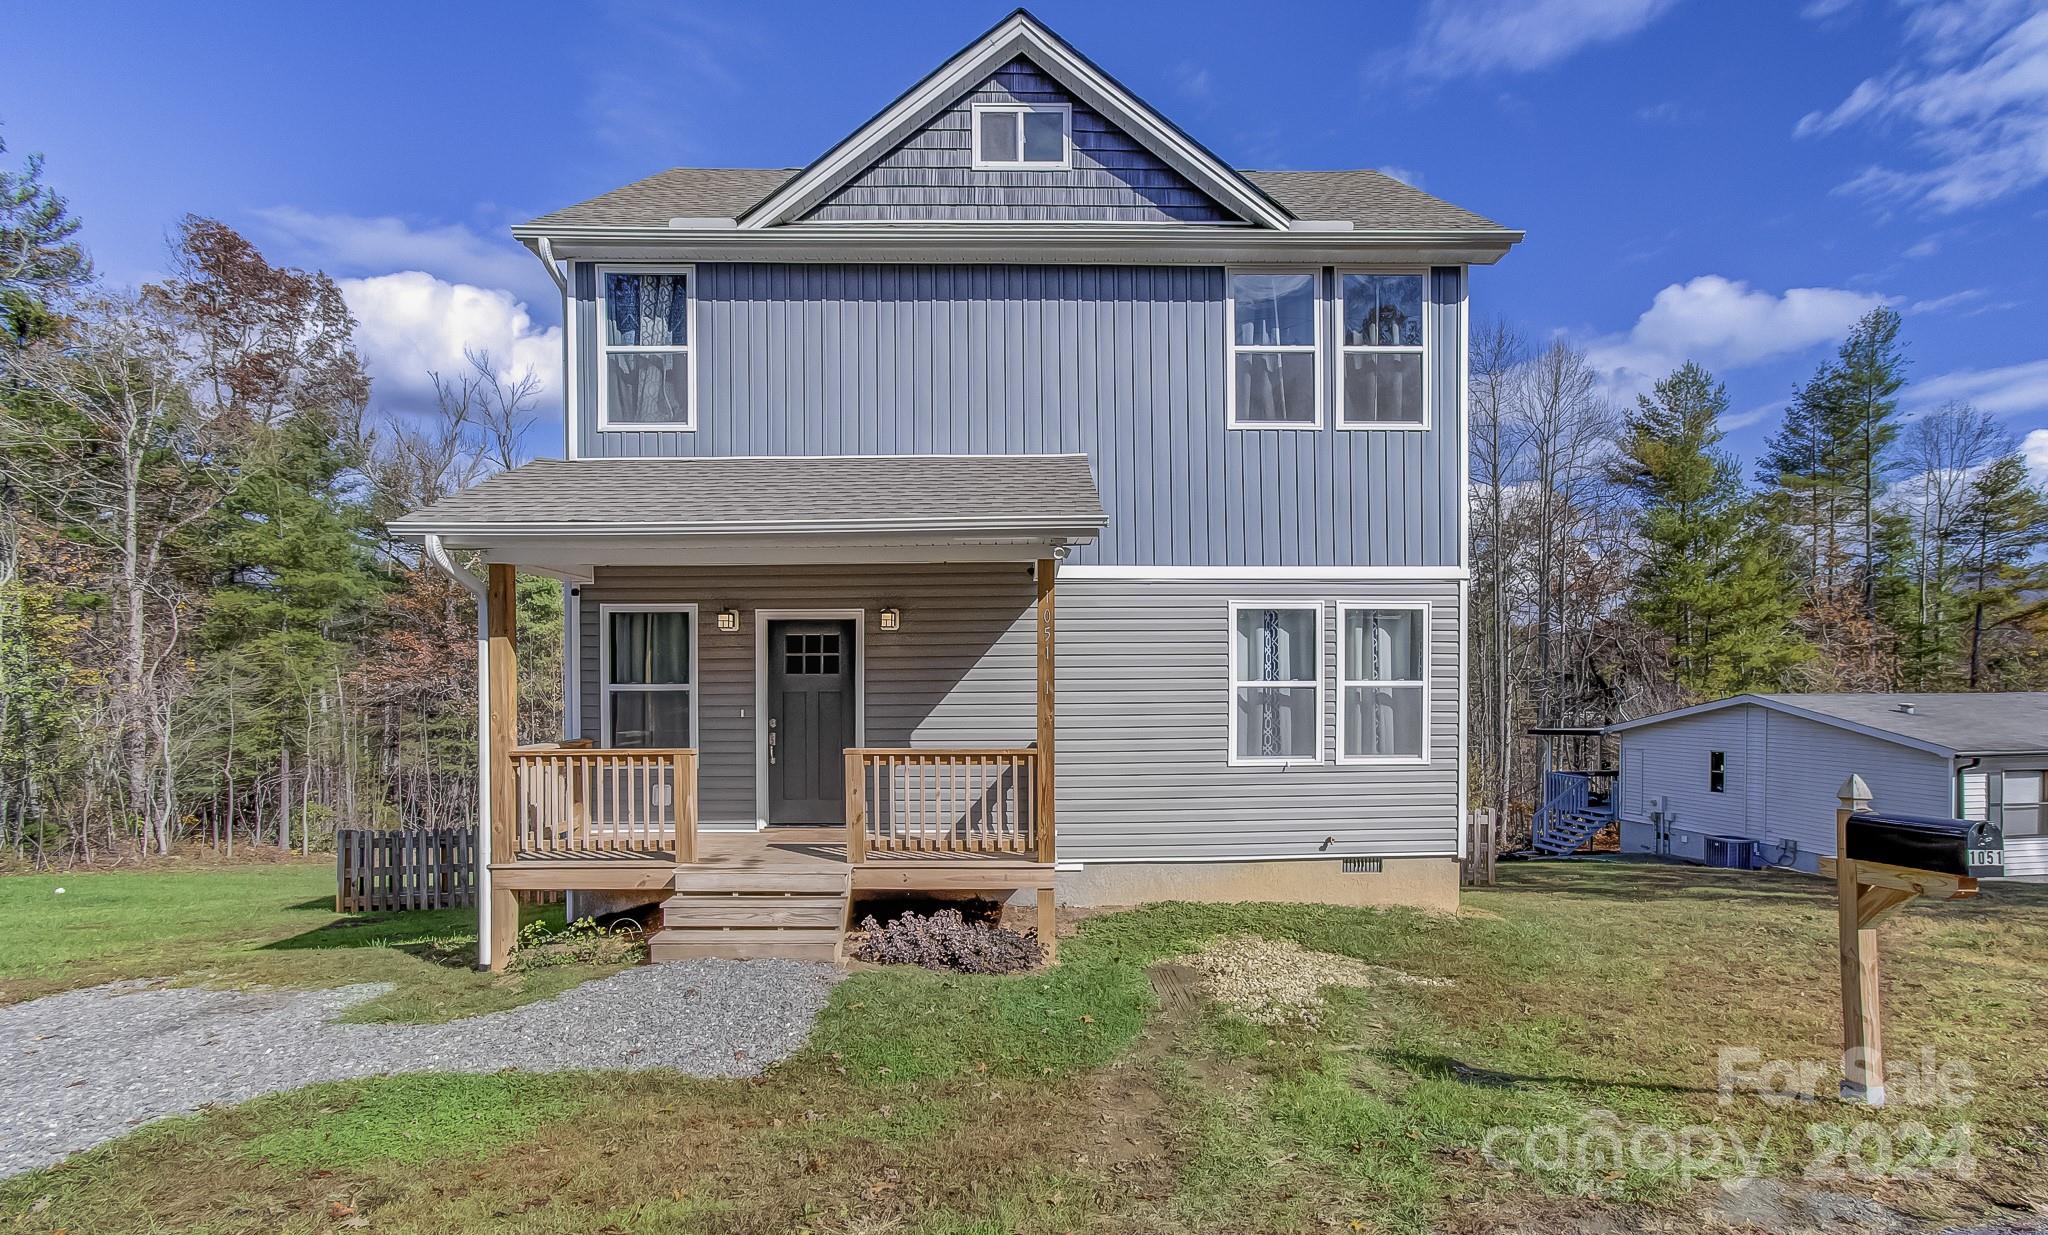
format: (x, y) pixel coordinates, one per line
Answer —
(438, 554)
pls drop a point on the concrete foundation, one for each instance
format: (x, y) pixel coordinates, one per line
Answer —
(1416, 883)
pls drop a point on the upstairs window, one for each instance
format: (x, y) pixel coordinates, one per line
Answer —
(1381, 365)
(1382, 714)
(1275, 342)
(1276, 709)
(1022, 136)
(644, 376)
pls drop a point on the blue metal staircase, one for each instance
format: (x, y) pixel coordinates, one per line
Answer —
(1571, 813)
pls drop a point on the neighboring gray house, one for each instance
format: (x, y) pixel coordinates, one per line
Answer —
(1766, 768)
(835, 433)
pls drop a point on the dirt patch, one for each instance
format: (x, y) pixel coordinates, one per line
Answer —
(1277, 981)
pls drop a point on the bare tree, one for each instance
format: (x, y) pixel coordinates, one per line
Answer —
(1497, 356)
(1945, 450)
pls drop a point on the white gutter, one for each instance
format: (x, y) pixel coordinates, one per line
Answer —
(437, 554)
(544, 249)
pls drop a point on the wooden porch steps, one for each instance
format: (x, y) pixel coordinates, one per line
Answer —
(790, 914)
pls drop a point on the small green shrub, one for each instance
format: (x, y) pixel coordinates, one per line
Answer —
(582, 942)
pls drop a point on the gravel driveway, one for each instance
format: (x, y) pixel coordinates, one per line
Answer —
(86, 1066)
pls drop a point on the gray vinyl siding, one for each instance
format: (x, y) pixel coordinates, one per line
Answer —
(961, 672)
(931, 173)
(1144, 716)
(1125, 364)
(1143, 702)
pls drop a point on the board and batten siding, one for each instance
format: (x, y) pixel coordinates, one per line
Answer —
(931, 173)
(1125, 364)
(1143, 704)
(1144, 716)
(1783, 775)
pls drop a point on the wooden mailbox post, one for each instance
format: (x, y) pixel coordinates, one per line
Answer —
(1882, 863)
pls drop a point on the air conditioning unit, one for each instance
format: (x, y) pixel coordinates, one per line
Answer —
(1732, 852)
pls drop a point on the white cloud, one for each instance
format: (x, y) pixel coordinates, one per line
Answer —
(2007, 390)
(1972, 93)
(410, 323)
(2035, 447)
(358, 245)
(1724, 324)
(1458, 37)
(1936, 304)
(1407, 176)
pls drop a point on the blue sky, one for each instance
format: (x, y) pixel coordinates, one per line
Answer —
(1728, 182)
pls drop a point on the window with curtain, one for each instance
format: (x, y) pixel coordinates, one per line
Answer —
(1381, 351)
(1276, 714)
(1275, 338)
(1382, 710)
(644, 355)
(648, 689)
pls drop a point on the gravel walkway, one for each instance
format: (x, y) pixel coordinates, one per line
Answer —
(86, 1066)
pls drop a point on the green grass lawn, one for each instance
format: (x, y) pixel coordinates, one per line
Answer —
(248, 925)
(1579, 996)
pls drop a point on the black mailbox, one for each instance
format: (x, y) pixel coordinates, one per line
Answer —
(1944, 846)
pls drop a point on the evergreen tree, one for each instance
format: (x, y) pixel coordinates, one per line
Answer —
(40, 261)
(2003, 530)
(1863, 425)
(1714, 576)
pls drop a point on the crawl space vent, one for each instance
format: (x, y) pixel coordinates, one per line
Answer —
(1361, 866)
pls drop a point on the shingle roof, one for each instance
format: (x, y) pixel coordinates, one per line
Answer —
(1051, 495)
(2013, 722)
(1370, 200)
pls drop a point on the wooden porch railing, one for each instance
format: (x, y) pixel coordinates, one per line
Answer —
(944, 802)
(577, 800)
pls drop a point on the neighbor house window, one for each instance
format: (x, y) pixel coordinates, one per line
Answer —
(1383, 704)
(1275, 345)
(644, 379)
(1381, 363)
(648, 660)
(2014, 802)
(1276, 712)
(1717, 771)
(1025, 136)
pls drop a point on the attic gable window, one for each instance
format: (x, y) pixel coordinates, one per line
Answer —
(1022, 136)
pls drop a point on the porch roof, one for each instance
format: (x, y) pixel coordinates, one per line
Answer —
(1049, 497)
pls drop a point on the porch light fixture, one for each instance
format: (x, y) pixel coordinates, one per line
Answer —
(892, 618)
(729, 620)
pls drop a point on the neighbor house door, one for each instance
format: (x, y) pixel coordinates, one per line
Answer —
(810, 720)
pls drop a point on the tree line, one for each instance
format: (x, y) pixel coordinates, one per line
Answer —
(1623, 564)
(205, 633)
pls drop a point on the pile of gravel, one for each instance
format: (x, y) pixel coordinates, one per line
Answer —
(86, 1066)
(1277, 981)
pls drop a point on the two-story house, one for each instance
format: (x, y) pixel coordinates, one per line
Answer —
(1018, 497)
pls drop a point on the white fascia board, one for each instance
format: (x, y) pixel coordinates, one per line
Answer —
(1819, 718)
(1016, 35)
(1324, 574)
(463, 533)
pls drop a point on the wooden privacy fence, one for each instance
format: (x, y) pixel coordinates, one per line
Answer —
(1482, 849)
(919, 801)
(417, 868)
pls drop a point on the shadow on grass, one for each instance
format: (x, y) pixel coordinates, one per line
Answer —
(1445, 1068)
(440, 936)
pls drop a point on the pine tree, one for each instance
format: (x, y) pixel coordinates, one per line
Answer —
(1715, 576)
(2003, 529)
(1863, 423)
(41, 262)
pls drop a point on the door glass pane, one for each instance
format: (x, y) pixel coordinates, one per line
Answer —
(651, 718)
(1276, 722)
(1276, 645)
(1383, 645)
(1383, 722)
(650, 648)
(998, 137)
(646, 310)
(1383, 310)
(1276, 387)
(1382, 388)
(648, 388)
(1045, 137)
(1274, 309)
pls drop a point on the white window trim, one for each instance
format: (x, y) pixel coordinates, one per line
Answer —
(1232, 347)
(1319, 608)
(1344, 609)
(1426, 349)
(607, 688)
(605, 348)
(1019, 164)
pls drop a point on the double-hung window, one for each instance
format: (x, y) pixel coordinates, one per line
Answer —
(647, 663)
(1382, 366)
(1276, 683)
(1383, 704)
(1275, 349)
(1022, 136)
(644, 378)
(2015, 802)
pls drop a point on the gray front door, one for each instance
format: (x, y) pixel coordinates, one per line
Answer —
(810, 719)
